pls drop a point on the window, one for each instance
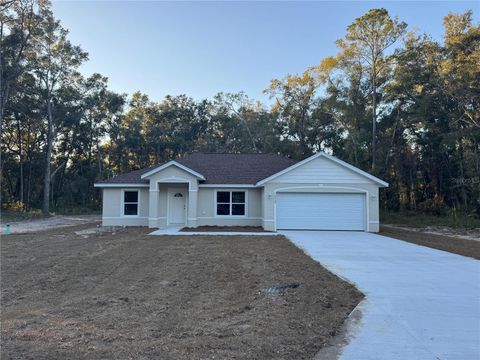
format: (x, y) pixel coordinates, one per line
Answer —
(130, 203)
(231, 203)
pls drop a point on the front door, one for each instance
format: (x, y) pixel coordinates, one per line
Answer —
(177, 207)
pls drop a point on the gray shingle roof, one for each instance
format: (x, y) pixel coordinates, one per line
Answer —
(219, 168)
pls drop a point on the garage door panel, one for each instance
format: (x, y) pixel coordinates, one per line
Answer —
(315, 211)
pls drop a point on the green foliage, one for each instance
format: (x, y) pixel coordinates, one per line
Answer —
(451, 218)
(363, 64)
(62, 132)
(12, 215)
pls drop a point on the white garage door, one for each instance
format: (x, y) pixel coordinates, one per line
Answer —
(314, 211)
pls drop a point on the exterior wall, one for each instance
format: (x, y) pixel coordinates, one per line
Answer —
(160, 182)
(112, 212)
(322, 170)
(207, 214)
(321, 175)
(271, 190)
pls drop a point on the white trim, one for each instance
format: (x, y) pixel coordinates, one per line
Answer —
(227, 185)
(325, 189)
(121, 185)
(230, 216)
(170, 191)
(330, 157)
(175, 180)
(123, 217)
(122, 204)
(157, 218)
(374, 222)
(173, 163)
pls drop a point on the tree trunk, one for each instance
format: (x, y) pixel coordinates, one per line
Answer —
(29, 159)
(99, 160)
(374, 121)
(1, 102)
(48, 158)
(462, 176)
(20, 153)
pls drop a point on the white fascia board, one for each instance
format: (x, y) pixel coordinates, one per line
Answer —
(173, 163)
(101, 185)
(330, 157)
(227, 185)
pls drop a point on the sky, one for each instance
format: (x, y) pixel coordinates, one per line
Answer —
(202, 48)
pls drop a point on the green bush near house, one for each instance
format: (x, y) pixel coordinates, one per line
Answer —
(451, 218)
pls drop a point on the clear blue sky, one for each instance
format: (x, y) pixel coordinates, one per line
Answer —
(201, 48)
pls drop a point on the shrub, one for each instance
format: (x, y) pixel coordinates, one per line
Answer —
(435, 206)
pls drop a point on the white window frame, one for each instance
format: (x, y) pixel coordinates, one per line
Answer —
(230, 191)
(122, 203)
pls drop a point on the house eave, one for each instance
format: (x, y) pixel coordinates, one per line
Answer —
(227, 185)
(125, 185)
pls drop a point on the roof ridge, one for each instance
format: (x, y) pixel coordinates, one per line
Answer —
(217, 167)
(233, 153)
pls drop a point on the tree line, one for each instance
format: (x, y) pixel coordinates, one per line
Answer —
(391, 101)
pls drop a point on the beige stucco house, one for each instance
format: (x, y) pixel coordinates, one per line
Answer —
(268, 190)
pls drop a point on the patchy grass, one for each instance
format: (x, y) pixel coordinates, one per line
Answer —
(126, 295)
(8, 216)
(455, 220)
(77, 211)
(470, 248)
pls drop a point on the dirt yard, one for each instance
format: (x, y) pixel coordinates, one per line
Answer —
(47, 223)
(456, 245)
(224, 229)
(73, 293)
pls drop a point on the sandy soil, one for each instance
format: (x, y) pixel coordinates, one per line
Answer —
(224, 229)
(79, 293)
(466, 234)
(43, 224)
(456, 245)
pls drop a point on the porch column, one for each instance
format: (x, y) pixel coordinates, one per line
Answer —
(268, 198)
(153, 206)
(192, 205)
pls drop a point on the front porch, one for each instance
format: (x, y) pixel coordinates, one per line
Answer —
(172, 205)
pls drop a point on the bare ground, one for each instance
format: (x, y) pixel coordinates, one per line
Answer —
(77, 294)
(454, 244)
(459, 233)
(48, 223)
(224, 229)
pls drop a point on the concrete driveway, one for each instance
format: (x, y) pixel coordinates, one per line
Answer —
(421, 303)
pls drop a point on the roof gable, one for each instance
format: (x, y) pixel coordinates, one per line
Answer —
(169, 164)
(323, 168)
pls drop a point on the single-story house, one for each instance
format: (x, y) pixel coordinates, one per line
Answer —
(321, 192)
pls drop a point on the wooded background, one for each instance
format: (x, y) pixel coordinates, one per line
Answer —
(392, 101)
